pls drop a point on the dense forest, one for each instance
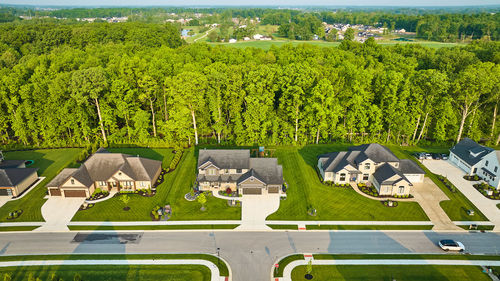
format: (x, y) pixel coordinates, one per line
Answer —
(138, 83)
(444, 25)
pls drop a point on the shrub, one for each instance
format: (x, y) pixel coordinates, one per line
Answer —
(476, 177)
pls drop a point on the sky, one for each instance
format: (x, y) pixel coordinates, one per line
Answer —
(253, 2)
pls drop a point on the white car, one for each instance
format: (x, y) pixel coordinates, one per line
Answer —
(428, 156)
(450, 245)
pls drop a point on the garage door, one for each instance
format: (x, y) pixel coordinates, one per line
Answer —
(273, 189)
(4, 192)
(55, 192)
(75, 193)
(414, 177)
(252, 190)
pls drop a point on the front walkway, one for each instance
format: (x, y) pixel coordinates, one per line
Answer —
(287, 272)
(255, 209)
(455, 175)
(215, 273)
(58, 211)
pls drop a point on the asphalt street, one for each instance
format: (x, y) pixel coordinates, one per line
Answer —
(250, 254)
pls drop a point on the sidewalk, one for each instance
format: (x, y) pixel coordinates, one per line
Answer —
(288, 269)
(215, 274)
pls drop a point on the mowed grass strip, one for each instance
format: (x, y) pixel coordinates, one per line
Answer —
(391, 272)
(49, 163)
(223, 269)
(176, 184)
(153, 227)
(305, 189)
(369, 227)
(110, 272)
(456, 208)
(443, 256)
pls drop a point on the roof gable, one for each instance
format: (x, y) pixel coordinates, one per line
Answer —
(225, 158)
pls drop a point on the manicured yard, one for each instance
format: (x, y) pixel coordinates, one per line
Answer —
(171, 191)
(305, 189)
(391, 272)
(49, 162)
(153, 227)
(111, 272)
(456, 208)
(368, 227)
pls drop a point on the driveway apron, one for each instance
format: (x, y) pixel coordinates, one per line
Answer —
(255, 209)
(58, 211)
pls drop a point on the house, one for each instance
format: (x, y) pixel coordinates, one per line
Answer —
(220, 169)
(106, 171)
(476, 159)
(371, 164)
(232, 40)
(15, 178)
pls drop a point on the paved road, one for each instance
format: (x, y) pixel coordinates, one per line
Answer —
(250, 254)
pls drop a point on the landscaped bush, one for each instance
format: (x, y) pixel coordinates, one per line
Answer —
(14, 214)
(472, 178)
(447, 183)
(370, 190)
(175, 161)
(387, 204)
(484, 188)
(98, 194)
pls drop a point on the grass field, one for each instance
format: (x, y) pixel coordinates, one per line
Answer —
(447, 256)
(391, 272)
(456, 208)
(171, 191)
(266, 45)
(305, 189)
(49, 163)
(110, 272)
(153, 227)
(368, 227)
(223, 269)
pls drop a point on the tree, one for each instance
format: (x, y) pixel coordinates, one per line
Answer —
(7, 277)
(309, 267)
(90, 83)
(212, 36)
(202, 200)
(149, 89)
(125, 199)
(349, 34)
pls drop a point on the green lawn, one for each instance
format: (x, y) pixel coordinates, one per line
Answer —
(49, 162)
(369, 227)
(284, 226)
(223, 269)
(18, 228)
(331, 203)
(391, 272)
(171, 191)
(447, 256)
(456, 208)
(111, 272)
(284, 262)
(153, 227)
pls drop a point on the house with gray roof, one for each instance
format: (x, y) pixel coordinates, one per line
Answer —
(15, 178)
(220, 169)
(106, 171)
(371, 164)
(476, 159)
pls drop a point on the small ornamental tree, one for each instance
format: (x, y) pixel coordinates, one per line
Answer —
(202, 200)
(125, 199)
(228, 190)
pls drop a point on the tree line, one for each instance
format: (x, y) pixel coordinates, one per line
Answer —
(128, 92)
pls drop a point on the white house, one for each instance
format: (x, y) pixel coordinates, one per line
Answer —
(476, 159)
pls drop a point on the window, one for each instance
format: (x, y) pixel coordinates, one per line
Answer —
(102, 183)
(367, 166)
(72, 181)
(238, 171)
(119, 173)
(211, 172)
(342, 177)
(401, 189)
(496, 169)
(143, 184)
(226, 171)
(486, 164)
(365, 177)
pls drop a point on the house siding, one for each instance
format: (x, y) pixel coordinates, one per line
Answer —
(492, 163)
(22, 186)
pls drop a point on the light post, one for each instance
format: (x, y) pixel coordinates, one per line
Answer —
(218, 257)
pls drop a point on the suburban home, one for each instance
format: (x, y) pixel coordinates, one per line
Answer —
(220, 169)
(476, 159)
(15, 178)
(371, 164)
(106, 171)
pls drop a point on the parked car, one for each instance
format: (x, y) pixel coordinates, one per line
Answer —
(451, 245)
(428, 156)
(436, 156)
(418, 155)
(444, 156)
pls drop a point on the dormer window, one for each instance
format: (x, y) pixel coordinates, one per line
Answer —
(367, 166)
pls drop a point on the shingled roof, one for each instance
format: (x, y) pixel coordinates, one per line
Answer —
(103, 165)
(375, 152)
(386, 173)
(14, 176)
(225, 158)
(470, 151)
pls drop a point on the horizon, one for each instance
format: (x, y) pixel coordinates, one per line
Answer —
(254, 4)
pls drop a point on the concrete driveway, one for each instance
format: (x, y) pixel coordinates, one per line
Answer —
(58, 211)
(455, 175)
(255, 209)
(429, 195)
